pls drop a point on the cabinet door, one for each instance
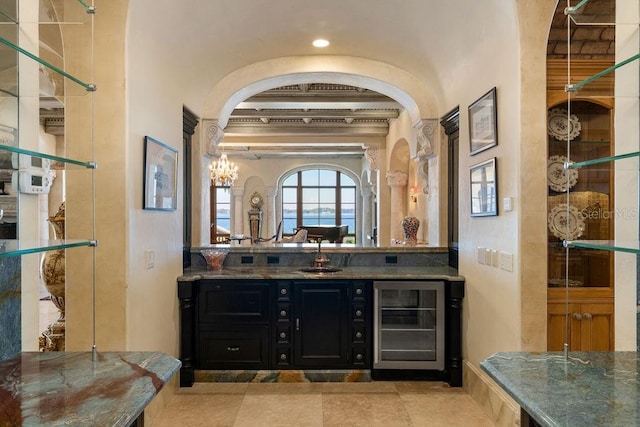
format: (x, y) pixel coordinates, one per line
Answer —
(321, 325)
(234, 302)
(556, 326)
(596, 327)
(235, 347)
(590, 326)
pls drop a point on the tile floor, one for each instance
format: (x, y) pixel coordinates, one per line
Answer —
(385, 404)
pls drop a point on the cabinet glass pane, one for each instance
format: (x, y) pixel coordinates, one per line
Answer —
(407, 298)
(580, 200)
(408, 340)
(418, 319)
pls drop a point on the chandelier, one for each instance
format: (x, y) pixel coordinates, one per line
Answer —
(223, 172)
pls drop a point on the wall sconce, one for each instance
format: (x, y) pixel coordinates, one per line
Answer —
(412, 195)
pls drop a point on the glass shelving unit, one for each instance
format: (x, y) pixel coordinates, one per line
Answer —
(600, 171)
(589, 87)
(76, 16)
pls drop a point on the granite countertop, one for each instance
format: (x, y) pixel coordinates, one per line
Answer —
(588, 389)
(69, 388)
(348, 273)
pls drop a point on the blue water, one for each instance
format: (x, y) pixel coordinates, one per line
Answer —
(289, 224)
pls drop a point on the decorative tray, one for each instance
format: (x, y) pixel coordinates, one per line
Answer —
(559, 178)
(562, 126)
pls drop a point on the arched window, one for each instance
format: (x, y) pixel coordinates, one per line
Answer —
(318, 197)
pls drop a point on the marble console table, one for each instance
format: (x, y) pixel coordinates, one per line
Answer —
(590, 389)
(69, 388)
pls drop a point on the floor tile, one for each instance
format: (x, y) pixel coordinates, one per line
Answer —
(377, 404)
(284, 388)
(283, 410)
(364, 409)
(369, 387)
(215, 388)
(200, 410)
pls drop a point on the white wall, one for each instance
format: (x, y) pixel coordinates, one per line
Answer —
(491, 310)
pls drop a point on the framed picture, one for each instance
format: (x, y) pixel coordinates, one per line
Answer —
(484, 188)
(483, 119)
(160, 175)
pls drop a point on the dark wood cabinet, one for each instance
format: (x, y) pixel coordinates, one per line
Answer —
(321, 325)
(233, 321)
(278, 324)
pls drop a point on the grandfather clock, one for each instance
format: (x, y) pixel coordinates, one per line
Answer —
(255, 217)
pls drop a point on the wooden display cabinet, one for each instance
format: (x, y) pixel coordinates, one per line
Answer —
(589, 194)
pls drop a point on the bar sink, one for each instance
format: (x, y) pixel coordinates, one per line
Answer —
(320, 269)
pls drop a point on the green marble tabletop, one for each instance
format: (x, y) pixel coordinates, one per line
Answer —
(587, 389)
(70, 388)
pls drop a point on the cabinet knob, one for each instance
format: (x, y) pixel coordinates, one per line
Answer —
(283, 313)
(358, 334)
(283, 356)
(359, 356)
(283, 291)
(577, 316)
(359, 291)
(587, 316)
(358, 313)
(283, 335)
(233, 348)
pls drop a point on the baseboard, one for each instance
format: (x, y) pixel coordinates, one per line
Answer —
(499, 407)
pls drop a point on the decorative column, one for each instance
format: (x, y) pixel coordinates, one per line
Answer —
(270, 210)
(237, 226)
(367, 228)
(427, 148)
(397, 180)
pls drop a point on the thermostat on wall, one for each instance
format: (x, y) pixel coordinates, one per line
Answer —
(31, 181)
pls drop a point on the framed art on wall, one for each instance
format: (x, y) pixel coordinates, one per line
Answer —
(483, 119)
(160, 175)
(484, 188)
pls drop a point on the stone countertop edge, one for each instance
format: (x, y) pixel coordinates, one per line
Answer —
(347, 273)
(69, 388)
(590, 388)
(326, 247)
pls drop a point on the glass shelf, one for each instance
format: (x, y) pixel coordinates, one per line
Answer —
(630, 246)
(9, 248)
(59, 12)
(581, 86)
(87, 86)
(593, 12)
(88, 165)
(577, 165)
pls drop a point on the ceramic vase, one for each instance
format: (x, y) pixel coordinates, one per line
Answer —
(410, 226)
(52, 270)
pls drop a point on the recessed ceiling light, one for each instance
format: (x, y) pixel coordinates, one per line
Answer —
(321, 43)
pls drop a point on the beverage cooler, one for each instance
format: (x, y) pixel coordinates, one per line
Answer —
(409, 325)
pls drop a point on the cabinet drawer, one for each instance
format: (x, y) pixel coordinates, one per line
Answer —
(233, 302)
(234, 348)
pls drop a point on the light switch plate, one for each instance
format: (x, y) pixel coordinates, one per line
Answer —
(482, 255)
(494, 258)
(149, 259)
(507, 204)
(506, 261)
